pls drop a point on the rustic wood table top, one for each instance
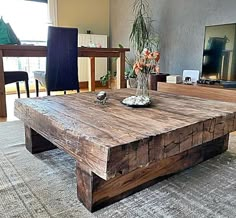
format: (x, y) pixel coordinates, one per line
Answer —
(113, 138)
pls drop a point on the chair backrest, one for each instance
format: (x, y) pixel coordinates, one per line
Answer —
(215, 45)
(62, 59)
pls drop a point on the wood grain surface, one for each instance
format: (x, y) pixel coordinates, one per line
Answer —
(115, 145)
(100, 193)
(109, 138)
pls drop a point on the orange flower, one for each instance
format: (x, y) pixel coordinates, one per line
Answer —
(156, 55)
(137, 67)
(146, 52)
(150, 56)
(148, 62)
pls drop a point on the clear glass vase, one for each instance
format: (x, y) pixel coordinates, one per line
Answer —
(142, 86)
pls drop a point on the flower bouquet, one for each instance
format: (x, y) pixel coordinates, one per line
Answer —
(146, 63)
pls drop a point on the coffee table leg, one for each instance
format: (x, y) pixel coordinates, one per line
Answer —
(96, 193)
(85, 187)
(36, 143)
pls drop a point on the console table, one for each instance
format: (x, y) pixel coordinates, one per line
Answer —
(214, 92)
(120, 150)
(41, 51)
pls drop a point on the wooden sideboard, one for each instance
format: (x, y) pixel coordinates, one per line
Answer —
(202, 91)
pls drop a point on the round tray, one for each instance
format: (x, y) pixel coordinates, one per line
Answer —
(137, 105)
(131, 104)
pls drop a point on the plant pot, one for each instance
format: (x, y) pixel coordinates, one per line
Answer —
(112, 83)
(161, 77)
(156, 77)
(152, 84)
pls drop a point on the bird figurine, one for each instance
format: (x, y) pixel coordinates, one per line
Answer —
(102, 97)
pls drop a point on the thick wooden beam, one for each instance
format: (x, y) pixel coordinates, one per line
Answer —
(96, 193)
(84, 187)
(35, 143)
(113, 138)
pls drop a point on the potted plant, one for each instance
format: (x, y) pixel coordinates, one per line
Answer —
(108, 79)
(105, 78)
(142, 34)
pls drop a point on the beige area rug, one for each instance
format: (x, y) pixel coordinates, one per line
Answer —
(44, 185)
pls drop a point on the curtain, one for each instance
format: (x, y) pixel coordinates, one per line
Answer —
(52, 12)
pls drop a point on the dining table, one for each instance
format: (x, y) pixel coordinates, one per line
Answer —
(41, 51)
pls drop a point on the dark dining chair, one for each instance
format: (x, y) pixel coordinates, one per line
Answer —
(61, 63)
(16, 77)
(213, 55)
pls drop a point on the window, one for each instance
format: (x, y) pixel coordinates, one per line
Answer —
(29, 20)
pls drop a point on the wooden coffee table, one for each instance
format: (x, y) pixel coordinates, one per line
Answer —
(120, 150)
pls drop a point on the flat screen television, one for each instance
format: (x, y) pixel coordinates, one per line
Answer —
(219, 53)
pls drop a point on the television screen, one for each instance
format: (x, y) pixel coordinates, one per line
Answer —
(219, 53)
